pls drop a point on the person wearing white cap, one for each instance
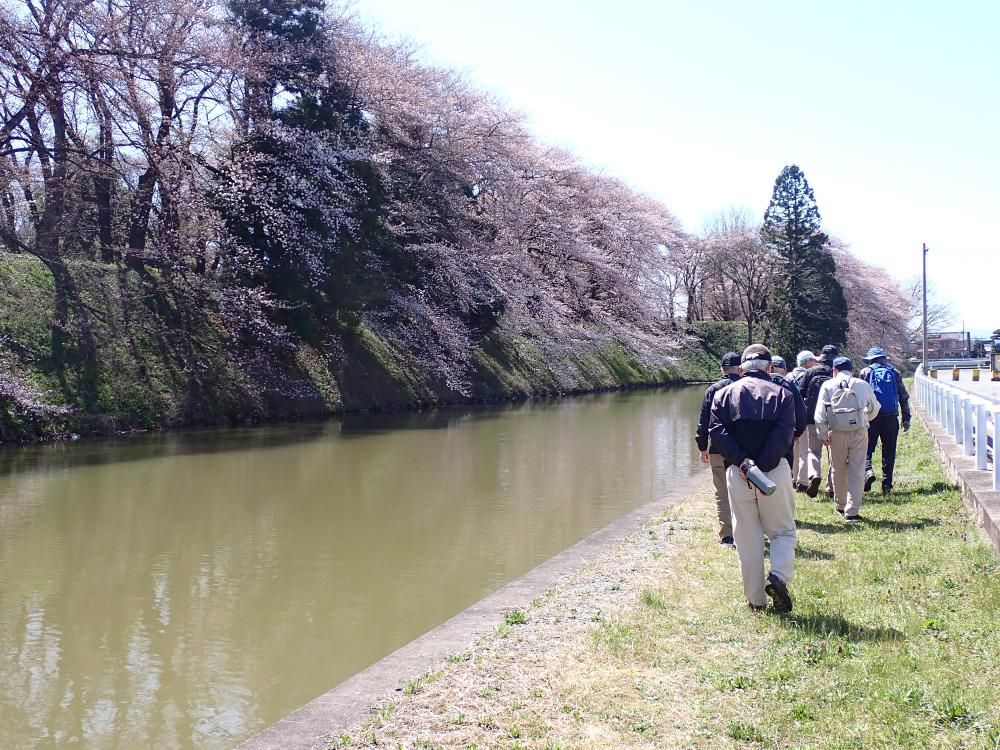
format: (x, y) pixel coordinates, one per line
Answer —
(800, 464)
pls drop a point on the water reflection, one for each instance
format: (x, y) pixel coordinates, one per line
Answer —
(185, 591)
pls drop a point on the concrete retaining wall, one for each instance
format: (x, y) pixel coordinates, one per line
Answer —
(312, 726)
(976, 486)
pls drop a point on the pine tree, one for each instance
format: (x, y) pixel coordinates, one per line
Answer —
(807, 307)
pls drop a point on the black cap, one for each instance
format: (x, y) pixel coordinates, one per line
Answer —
(830, 352)
(730, 359)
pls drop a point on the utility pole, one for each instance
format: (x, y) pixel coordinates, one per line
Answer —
(925, 306)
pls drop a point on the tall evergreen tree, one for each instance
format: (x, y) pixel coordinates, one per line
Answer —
(807, 307)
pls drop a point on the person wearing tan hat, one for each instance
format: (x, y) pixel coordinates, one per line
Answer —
(753, 424)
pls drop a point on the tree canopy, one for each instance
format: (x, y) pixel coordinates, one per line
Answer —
(807, 303)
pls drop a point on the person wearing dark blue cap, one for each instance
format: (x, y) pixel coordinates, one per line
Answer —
(844, 409)
(887, 383)
(710, 452)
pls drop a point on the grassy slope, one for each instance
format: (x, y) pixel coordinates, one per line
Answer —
(894, 643)
(135, 359)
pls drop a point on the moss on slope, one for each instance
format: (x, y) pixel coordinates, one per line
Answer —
(134, 354)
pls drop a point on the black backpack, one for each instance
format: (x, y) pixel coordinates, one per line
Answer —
(815, 383)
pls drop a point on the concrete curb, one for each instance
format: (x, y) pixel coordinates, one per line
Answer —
(312, 726)
(977, 486)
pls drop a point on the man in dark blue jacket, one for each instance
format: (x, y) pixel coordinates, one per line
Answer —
(753, 424)
(778, 370)
(710, 454)
(887, 383)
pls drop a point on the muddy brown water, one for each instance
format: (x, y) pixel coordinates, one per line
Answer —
(187, 590)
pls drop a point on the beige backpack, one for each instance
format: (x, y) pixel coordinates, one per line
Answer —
(844, 412)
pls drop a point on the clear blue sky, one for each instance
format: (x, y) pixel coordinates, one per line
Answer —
(892, 109)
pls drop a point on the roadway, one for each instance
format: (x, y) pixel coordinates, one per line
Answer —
(984, 388)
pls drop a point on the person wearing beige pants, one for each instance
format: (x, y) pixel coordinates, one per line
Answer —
(848, 442)
(813, 447)
(848, 455)
(753, 423)
(756, 516)
(723, 510)
(730, 367)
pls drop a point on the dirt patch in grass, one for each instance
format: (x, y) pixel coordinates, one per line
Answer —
(894, 642)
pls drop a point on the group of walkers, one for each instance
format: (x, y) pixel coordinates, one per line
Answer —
(760, 420)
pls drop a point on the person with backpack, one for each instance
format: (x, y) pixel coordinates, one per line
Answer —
(800, 466)
(812, 382)
(845, 408)
(710, 452)
(887, 383)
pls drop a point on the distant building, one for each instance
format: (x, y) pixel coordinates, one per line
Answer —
(949, 345)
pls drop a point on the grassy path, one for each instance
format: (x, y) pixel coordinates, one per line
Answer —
(894, 642)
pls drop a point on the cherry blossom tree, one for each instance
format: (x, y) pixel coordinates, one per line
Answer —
(878, 309)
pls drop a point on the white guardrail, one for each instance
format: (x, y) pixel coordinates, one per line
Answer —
(973, 421)
(948, 364)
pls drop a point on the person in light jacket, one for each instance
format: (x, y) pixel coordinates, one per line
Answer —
(800, 462)
(844, 409)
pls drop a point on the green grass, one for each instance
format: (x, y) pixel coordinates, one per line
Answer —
(516, 617)
(894, 641)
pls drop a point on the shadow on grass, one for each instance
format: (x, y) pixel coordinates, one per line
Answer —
(920, 523)
(835, 625)
(837, 528)
(813, 554)
(904, 496)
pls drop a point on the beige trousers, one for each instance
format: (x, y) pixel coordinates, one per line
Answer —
(800, 464)
(814, 448)
(814, 457)
(848, 452)
(757, 516)
(722, 510)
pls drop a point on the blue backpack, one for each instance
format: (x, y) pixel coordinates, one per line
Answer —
(882, 379)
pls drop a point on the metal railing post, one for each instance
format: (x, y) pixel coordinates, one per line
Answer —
(949, 414)
(996, 444)
(981, 436)
(967, 446)
(959, 420)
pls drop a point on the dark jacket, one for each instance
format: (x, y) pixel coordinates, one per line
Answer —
(904, 397)
(701, 436)
(800, 405)
(753, 418)
(815, 377)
